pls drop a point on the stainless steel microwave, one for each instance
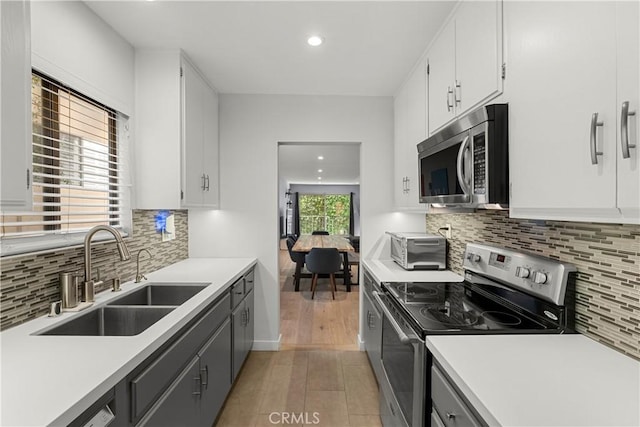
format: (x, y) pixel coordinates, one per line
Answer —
(466, 164)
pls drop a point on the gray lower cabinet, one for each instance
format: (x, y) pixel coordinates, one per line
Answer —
(372, 334)
(215, 368)
(180, 404)
(198, 393)
(243, 331)
(449, 407)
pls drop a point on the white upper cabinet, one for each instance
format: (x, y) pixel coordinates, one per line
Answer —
(199, 140)
(571, 65)
(15, 109)
(465, 62)
(176, 146)
(442, 71)
(628, 167)
(410, 114)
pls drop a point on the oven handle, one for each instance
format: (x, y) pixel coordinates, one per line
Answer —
(404, 338)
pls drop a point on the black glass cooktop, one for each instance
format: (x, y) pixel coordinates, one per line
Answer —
(467, 308)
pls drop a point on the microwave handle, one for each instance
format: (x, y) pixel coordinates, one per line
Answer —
(433, 243)
(462, 179)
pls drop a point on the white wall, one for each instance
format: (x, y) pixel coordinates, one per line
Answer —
(247, 225)
(72, 44)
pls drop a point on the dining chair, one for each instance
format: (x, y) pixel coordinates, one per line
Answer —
(298, 258)
(323, 261)
(320, 233)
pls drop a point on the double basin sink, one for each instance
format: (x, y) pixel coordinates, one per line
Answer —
(129, 314)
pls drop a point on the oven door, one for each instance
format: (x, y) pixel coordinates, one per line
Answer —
(446, 171)
(403, 364)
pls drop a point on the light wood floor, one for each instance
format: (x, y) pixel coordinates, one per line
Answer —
(319, 377)
(321, 322)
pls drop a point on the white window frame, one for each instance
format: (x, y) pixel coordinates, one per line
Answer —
(68, 240)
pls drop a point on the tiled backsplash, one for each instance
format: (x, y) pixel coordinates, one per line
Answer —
(29, 283)
(607, 257)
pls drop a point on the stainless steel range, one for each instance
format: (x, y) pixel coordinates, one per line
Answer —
(504, 292)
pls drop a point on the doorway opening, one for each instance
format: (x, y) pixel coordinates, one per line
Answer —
(319, 191)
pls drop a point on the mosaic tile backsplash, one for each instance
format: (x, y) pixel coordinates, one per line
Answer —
(607, 257)
(29, 283)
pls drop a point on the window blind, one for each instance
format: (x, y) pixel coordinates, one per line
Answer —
(78, 164)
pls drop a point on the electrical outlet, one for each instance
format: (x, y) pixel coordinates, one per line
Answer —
(447, 232)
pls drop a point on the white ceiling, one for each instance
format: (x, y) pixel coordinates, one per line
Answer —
(299, 164)
(260, 47)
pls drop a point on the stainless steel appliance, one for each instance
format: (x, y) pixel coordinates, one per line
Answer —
(466, 163)
(504, 291)
(419, 251)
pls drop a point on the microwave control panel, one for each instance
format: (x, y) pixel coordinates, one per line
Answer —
(479, 164)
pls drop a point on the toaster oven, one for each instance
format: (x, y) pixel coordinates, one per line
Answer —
(419, 251)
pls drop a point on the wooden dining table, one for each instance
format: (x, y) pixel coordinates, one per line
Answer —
(306, 242)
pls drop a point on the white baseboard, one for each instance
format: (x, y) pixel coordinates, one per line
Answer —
(360, 343)
(259, 345)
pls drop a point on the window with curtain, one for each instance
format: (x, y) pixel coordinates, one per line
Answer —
(78, 165)
(329, 212)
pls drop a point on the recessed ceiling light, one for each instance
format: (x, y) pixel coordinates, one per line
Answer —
(320, 158)
(315, 40)
(319, 170)
(319, 177)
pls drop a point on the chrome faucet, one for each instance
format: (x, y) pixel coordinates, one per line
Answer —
(89, 284)
(140, 277)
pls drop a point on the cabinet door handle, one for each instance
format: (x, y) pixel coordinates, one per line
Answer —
(207, 181)
(593, 141)
(205, 371)
(624, 130)
(457, 95)
(198, 390)
(450, 415)
(449, 104)
(248, 315)
(203, 186)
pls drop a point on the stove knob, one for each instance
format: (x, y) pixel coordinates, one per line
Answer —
(523, 272)
(539, 277)
(473, 257)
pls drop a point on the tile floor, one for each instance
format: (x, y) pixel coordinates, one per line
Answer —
(319, 378)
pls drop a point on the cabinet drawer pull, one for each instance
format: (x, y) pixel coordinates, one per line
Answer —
(205, 371)
(624, 130)
(450, 415)
(593, 141)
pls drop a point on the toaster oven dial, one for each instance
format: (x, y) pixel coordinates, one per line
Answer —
(539, 277)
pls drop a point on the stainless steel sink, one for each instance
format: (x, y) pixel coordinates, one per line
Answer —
(159, 294)
(111, 321)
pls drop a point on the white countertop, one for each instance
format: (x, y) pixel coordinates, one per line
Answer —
(542, 380)
(50, 380)
(386, 270)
